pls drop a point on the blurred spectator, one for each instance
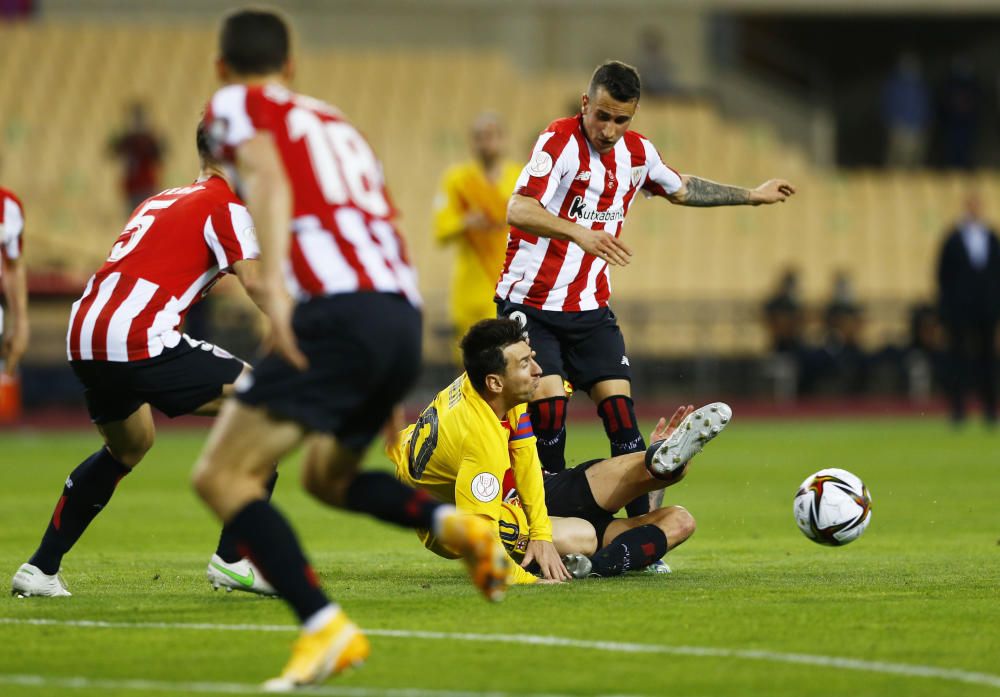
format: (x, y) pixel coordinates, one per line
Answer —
(655, 69)
(923, 358)
(844, 321)
(783, 314)
(961, 106)
(471, 213)
(141, 151)
(785, 320)
(969, 292)
(906, 113)
(17, 9)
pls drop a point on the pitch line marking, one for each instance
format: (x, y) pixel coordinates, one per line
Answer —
(884, 667)
(227, 688)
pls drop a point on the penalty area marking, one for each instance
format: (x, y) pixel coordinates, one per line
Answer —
(883, 667)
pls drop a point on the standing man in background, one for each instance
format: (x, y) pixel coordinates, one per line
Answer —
(140, 150)
(470, 214)
(13, 340)
(969, 294)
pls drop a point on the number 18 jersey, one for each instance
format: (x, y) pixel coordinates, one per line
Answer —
(344, 239)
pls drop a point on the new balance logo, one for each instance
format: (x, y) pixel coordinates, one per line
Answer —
(625, 361)
(582, 176)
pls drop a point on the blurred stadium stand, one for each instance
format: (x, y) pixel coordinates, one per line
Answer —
(699, 277)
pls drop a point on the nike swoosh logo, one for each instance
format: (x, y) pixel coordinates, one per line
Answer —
(242, 580)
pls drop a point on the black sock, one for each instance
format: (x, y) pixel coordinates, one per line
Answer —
(267, 538)
(381, 495)
(88, 490)
(633, 549)
(548, 421)
(618, 414)
(228, 548)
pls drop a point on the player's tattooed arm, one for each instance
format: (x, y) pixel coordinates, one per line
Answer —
(705, 193)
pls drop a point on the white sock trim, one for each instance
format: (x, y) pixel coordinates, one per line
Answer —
(440, 513)
(320, 618)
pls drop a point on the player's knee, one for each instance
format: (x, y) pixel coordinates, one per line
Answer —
(327, 485)
(573, 535)
(680, 523)
(204, 482)
(131, 453)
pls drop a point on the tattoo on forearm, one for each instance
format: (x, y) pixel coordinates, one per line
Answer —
(702, 192)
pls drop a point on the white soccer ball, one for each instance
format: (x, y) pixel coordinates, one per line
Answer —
(833, 507)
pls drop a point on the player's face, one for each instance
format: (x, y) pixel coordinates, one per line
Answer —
(605, 119)
(523, 373)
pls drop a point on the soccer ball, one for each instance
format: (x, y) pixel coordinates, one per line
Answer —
(833, 507)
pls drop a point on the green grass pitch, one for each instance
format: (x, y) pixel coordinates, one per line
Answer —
(752, 608)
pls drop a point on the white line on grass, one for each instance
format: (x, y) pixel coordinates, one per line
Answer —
(226, 688)
(904, 669)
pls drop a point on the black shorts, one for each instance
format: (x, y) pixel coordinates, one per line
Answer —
(583, 347)
(177, 382)
(568, 495)
(364, 356)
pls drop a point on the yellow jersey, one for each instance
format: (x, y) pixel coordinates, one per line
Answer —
(479, 253)
(459, 452)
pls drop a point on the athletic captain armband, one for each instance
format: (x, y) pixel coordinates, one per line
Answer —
(523, 429)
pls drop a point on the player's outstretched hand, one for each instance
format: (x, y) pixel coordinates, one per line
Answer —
(664, 428)
(771, 191)
(603, 246)
(545, 554)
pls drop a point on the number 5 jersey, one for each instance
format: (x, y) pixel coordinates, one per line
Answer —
(173, 250)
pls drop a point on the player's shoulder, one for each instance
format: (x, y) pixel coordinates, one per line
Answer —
(562, 131)
(201, 197)
(7, 194)
(227, 99)
(636, 138)
(565, 126)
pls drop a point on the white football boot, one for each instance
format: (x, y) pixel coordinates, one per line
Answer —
(695, 431)
(657, 567)
(31, 581)
(238, 576)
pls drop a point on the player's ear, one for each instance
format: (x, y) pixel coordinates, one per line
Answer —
(584, 101)
(221, 69)
(288, 70)
(494, 383)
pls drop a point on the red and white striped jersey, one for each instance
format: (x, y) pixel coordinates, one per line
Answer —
(11, 229)
(344, 239)
(173, 250)
(11, 225)
(575, 182)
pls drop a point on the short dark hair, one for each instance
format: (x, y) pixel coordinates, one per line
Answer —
(483, 345)
(254, 42)
(620, 80)
(203, 143)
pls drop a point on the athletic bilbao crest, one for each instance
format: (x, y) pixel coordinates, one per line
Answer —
(638, 173)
